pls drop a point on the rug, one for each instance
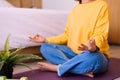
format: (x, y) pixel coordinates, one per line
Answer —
(112, 73)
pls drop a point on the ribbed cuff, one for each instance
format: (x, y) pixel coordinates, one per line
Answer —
(59, 70)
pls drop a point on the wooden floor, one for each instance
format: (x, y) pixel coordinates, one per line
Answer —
(114, 52)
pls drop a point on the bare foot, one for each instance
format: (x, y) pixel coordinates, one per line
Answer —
(45, 66)
(90, 74)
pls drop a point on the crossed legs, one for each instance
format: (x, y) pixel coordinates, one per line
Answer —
(63, 60)
(45, 66)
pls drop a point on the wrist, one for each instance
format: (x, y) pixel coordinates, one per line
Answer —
(45, 40)
(97, 49)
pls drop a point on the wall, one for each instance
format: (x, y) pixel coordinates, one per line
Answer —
(26, 3)
(114, 33)
(58, 4)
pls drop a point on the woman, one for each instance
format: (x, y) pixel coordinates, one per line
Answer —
(86, 33)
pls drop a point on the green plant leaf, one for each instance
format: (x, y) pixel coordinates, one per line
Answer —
(5, 53)
(14, 54)
(23, 64)
(7, 44)
(11, 59)
(1, 64)
(17, 51)
(1, 55)
(26, 57)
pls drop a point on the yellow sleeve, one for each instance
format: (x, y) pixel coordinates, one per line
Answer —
(60, 39)
(100, 32)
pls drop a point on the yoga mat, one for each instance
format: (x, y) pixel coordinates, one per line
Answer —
(112, 73)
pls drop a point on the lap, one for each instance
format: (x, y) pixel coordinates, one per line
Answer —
(87, 61)
(57, 47)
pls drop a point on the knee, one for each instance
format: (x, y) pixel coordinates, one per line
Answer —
(43, 47)
(46, 48)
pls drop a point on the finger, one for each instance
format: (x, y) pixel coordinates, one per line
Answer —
(30, 38)
(82, 47)
(92, 41)
(91, 44)
(37, 35)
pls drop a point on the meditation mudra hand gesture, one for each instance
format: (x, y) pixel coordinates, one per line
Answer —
(90, 47)
(38, 39)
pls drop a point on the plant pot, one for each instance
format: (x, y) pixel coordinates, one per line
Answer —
(7, 71)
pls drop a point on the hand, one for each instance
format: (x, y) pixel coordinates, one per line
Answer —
(90, 47)
(38, 39)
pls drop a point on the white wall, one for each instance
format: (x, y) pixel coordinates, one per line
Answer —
(58, 4)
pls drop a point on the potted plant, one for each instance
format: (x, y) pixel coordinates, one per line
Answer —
(9, 59)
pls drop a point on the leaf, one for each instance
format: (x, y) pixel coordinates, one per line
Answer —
(14, 54)
(26, 57)
(23, 64)
(12, 58)
(1, 55)
(6, 52)
(6, 45)
(1, 64)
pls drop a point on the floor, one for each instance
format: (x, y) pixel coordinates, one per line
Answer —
(114, 52)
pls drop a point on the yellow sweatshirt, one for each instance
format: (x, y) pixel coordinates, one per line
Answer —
(85, 21)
